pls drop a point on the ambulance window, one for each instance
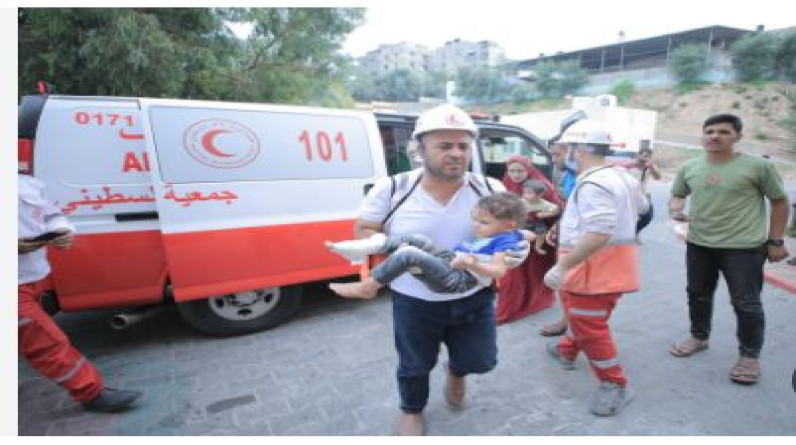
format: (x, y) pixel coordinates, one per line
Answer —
(498, 146)
(202, 145)
(398, 149)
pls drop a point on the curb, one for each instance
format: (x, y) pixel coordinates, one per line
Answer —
(788, 285)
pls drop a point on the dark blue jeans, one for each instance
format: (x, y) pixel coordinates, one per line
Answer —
(743, 271)
(434, 264)
(466, 327)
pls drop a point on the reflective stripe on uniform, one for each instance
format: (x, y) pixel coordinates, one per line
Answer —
(605, 364)
(613, 242)
(589, 312)
(72, 372)
(24, 322)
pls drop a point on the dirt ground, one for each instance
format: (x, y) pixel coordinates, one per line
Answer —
(761, 107)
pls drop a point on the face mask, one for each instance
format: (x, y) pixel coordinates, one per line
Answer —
(570, 160)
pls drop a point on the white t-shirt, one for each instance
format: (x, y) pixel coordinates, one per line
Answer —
(36, 216)
(448, 225)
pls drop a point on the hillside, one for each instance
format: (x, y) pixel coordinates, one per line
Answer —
(680, 115)
(761, 107)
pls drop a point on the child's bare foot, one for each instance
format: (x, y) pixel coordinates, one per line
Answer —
(363, 290)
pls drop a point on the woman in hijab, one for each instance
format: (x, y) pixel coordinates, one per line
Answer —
(521, 291)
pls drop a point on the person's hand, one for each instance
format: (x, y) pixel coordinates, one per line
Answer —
(461, 262)
(527, 235)
(518, 255)
(679, 216)
(551, 236)
(26, 245)
(554, 277)
(64, 241)
(777, 253)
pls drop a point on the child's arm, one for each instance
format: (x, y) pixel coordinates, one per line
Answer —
(549, 214)
(496, 269)
(527, 235)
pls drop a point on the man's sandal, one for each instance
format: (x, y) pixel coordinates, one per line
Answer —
(688, 347)
(553, 330)
(746, 371)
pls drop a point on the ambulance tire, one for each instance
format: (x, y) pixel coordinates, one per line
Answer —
(200, 315)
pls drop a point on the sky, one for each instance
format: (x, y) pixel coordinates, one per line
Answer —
(526, 28)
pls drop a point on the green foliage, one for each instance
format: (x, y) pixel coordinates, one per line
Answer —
(290, 56)
(623, 90)
(362, 85)
(396, 85)
(399, 86)
(522, 93)
(786, 57)
(434, 84)
(573, 77)
(482, 84)
(789, 123)
(557, 79)
(755, 56)
(688, 87)
(689, 62)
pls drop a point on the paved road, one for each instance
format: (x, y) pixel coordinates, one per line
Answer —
(331, 371)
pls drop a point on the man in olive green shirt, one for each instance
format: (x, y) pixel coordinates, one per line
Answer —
(728, 234)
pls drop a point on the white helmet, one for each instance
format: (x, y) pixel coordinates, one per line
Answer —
(444, 117)
(587, 131)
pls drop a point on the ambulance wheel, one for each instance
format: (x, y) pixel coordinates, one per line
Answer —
(242, 312)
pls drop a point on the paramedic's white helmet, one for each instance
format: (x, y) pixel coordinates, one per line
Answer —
(587, 131)
(444, 117)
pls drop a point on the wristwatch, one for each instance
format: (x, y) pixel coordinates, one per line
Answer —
(776, 242)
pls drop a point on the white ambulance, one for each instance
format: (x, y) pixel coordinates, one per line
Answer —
(221, 207)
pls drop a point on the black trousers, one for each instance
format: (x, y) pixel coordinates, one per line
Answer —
(743, 271)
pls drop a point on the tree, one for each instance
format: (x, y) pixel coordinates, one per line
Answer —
(290, 56)
(114, 51)
(398, 86)
(623, 90)
(481, 84)
(689, 62)
(573, 77)
(522, 92)
(434, 84)
(362, 85)
(786, 57)
(557, 79)
(754, 56)
(789, 122)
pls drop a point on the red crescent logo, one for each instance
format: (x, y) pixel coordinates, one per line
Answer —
(207, 143)
(239, 147)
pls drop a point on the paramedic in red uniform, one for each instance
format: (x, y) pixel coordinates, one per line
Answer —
(597, 261)
(41, 341)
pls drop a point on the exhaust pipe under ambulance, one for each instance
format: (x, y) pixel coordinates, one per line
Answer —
(124, 320)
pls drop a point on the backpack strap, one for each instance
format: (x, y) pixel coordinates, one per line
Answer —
(583, 181)
(478, 183)
(399, 182)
